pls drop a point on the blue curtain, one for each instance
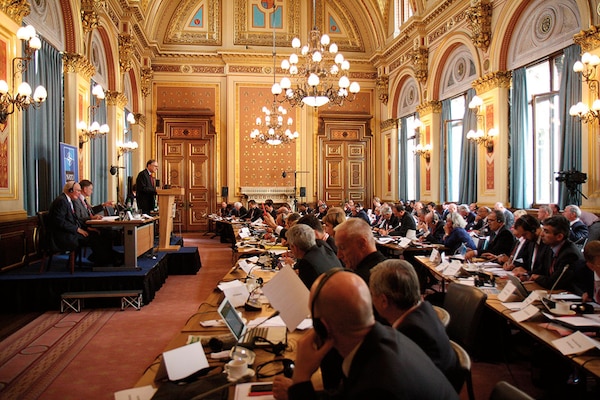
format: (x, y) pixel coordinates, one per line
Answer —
(520, 142)
(99, 169)
(468, 163)
(402, 161)
(43, 130)
(570, 129)
(446, 116)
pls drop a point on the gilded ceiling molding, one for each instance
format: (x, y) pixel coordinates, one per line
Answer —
(420, 57)
(383, 88)
(389, 124)
(588, 40)
(211, 36)
(244, 35)
(499, 79)
(479, 20)
(140, 119)
(431, 107)
(146, 74)
(125, 52)
(15, 9)
(114, 98)
(89, 16)
(73, 62)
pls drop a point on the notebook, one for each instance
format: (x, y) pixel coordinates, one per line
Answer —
(250, 337)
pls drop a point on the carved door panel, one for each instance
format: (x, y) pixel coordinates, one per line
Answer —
(345, 163)
(186, 165)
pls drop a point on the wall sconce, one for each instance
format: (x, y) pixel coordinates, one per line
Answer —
(126, 147)
(588, 68)
(94, 129)
(131, 120)
(21, 99)
(416, 126)
(423, 151)
(481, 138)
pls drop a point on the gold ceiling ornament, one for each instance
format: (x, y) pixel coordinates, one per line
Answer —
(77, 63)
(15, 9)
(420, 58)
(125, 52)
(146, 79)
(498, 79)
(479, 20)
(115, 98)
(430, 107)
(383, 88)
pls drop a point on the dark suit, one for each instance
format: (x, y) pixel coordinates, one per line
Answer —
(391, 223)
(436, 233)
(317, 260)
(578, 232)
(423, 326)
(387, 365)
(362, 215)
(145, 192)
(254, 214)
(241, 213)
(470, 218)
(501, 242)
(406, 222)
(82, 212)
(63, 225)
(364, 267)
(549, 267)
(456, 238)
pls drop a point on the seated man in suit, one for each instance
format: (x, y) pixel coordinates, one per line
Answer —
(313, 258)
(388, 221)
(270, 208)
(501, 238)
(378, 362)
(558, 253)
(395, 291)
(254, 211)
(238, 210)
(83, 210)
(67, 232)
(406, 222)
(320, 234)
(526, 229)
(578, 232)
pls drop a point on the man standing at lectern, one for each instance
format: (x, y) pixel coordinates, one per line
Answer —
(146, 187)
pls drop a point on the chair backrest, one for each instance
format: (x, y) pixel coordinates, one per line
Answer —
(465, 305)
(594, 231)
(42, 239)
(443, 315)
(505, 391)
(457, 377)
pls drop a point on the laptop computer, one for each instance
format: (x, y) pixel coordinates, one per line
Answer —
(257, 336)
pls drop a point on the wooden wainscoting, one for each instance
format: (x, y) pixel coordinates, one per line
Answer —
(17, 243)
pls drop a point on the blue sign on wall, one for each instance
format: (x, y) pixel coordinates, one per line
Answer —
(69, 170)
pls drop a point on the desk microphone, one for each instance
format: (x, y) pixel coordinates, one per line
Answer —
(549, 293)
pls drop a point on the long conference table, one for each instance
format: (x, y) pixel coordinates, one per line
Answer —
(207, 311)
(536, 327)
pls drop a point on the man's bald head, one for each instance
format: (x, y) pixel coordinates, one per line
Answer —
(343, 303)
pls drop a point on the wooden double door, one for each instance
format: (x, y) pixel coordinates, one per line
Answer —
(345, 160)
(188, 161)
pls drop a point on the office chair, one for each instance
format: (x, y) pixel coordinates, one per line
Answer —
(465, 305)
(463, 373)
(443, 315)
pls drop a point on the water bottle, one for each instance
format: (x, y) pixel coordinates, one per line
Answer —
(134, 206)
(463, 249)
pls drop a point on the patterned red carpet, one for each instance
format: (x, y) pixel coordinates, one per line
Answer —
(32, 358)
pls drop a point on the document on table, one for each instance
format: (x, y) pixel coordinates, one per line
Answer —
(182, 362)
(236, 292)
(575, 343)
(525, 313)
(288, 295)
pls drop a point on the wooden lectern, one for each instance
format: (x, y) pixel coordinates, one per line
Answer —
(166, 197)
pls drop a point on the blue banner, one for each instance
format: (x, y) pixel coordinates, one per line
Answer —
(69, 170)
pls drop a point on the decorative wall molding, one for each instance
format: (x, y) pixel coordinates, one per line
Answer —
(430, 107)
(279, 194)
(588, 40)
(73, 62)
(389, 124)
(499, 79)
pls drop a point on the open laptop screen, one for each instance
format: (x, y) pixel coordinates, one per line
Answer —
(232, 319)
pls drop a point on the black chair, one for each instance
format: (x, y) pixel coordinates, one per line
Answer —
(505, 391)
(44, 245)
(465, 305)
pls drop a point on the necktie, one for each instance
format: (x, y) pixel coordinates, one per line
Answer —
(153, 181)
(87, 205)
(553, 263)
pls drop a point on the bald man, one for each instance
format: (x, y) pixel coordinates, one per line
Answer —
(356, 247)
(378, 361)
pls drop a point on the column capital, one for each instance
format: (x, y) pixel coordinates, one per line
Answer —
(15, 9)
(114, 98)
(498, 79)
(588, 40)
(389, 124)
(430, 107)
(73, 62)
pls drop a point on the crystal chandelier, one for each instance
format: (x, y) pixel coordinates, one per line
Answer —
(21, 99)
(322, 79)
(274, 131)
(92, 130)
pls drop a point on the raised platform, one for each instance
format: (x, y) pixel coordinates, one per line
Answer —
(25, 289)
